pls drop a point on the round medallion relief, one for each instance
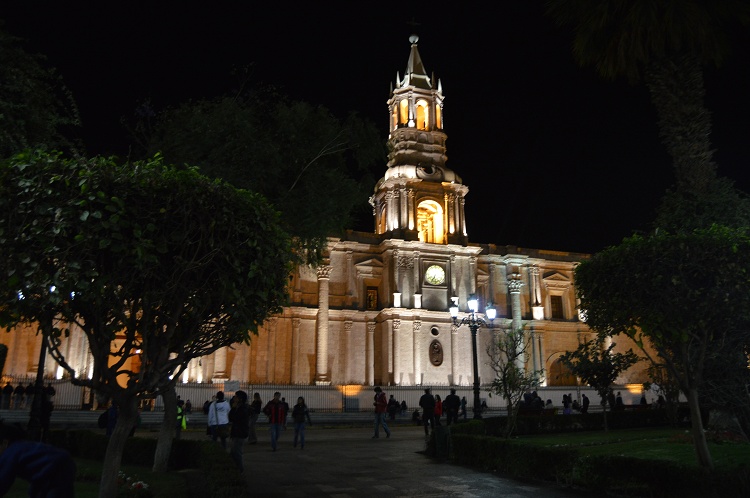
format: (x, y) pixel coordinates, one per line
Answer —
(436, 353)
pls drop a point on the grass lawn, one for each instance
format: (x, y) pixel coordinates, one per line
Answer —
(664, 444)
(88, 473)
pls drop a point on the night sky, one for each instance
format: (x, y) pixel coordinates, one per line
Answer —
(554, 157)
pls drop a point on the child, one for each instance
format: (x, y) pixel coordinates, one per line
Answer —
(299, 414)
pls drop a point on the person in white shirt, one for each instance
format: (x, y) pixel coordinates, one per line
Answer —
(218, 419)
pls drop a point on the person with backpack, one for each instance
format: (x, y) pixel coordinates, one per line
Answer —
(218, 419)
(381, 405)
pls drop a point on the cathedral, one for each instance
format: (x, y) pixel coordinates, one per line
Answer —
(377, 311)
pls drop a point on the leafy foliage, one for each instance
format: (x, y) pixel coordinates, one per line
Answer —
(685, 293)
(149, 261)
(512, 380)
(36, 108)
(598, 366)
(315, 169)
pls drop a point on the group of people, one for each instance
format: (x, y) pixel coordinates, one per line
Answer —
(20, 397)
(433, 408)
(236, 420)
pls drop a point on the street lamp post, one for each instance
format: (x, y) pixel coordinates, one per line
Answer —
(474, 322)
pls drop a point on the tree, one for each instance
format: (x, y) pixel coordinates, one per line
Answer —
(146, 259)
(36, 108)
(512, 380)
(314, 168)
(665, 43)
(598, 366)
(684, 294)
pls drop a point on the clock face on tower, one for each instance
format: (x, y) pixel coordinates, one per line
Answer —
(434, 275)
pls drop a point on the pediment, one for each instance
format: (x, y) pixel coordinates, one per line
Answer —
(369, 268)
(369, 263)
(556, 279)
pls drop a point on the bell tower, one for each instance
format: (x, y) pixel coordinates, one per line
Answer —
(419, 198)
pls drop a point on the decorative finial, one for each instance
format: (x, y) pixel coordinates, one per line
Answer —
(413, 39)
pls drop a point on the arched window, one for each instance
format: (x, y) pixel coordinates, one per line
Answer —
(394, 118)
(430, 222)
(423, 115)
(403, 111)
(439, 117)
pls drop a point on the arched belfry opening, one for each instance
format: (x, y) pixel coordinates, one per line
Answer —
(430, 222)
(419, 197)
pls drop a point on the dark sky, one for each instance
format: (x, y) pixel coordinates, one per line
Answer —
(554, 157)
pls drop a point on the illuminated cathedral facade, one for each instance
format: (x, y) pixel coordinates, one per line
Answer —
(376, 312)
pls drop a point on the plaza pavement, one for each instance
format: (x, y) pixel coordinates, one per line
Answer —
(347, 462)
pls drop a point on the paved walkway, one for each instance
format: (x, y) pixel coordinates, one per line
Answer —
(347, 462)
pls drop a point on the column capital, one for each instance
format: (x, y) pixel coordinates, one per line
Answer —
(324, 272)
(515, 283)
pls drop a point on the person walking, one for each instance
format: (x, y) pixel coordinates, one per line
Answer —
(585, 403)
(463, 406)
(451, 405)
(255, 408)
(218, 419)
(427, 403)
(274, 410)
(300, 413)
(381, 404)
(239, 416)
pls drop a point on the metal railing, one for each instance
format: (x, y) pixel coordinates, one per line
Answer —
(324, 399)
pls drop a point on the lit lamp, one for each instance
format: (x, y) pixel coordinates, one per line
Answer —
(474, 322)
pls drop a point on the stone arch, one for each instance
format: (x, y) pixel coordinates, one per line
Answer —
(559, 374)
(430, 222)
(423, 114)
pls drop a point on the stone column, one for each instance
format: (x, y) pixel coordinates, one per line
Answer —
(455, 366)
(220, 365)
(396, 354)
(295, 349)
(416, 326)
(271, 324)
(514, 286)
(347, 353)
(321, 350)
(370, 348)
(540, 348)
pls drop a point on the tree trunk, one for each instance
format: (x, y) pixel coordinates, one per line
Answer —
(677, 90)
(166, 432)
(699, 435)
(511, 420)
(126, 418)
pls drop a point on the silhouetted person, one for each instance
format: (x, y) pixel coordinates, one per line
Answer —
(427, 403)
(49, 470)
(451, 405)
